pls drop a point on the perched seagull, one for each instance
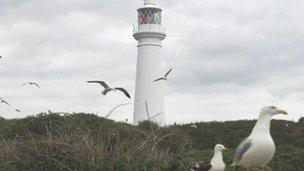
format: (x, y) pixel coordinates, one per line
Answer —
(5, 102)
(258, 148)
(216, 164)
(107, 88)
(165, 77)
(31, 83)
(193, 125)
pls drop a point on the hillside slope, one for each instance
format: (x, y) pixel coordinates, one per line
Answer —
(87, 142)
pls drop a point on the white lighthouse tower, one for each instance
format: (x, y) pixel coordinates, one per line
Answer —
(149, 33)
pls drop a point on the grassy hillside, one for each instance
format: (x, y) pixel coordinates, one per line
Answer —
(88, 142)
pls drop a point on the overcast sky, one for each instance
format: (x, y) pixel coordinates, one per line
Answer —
(230, 57)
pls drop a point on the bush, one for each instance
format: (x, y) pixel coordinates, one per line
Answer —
(87, 142)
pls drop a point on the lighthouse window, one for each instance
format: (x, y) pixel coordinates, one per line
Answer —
(149, 16)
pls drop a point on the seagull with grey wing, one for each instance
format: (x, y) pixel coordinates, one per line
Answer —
(165, 77)
(108, 88)
(4, 101)
(32, 84)
(193, 125)
(258, 148)
(216, 163)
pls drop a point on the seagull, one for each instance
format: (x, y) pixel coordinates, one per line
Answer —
(107, 88)
(216, 164)
(258, 148)
(31, 83)
(1, 57)
(193, 125)
(165, 77)
(17, 110)
(5, 102)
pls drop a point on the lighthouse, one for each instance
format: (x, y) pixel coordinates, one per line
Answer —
(148, 94)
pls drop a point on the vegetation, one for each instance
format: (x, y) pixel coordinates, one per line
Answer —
(88, 142)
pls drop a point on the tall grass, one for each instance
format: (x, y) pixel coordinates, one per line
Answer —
(88, 142)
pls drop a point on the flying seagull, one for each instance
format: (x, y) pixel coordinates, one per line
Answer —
(107, 88)
(165, 77)
(31, 83)
(216, 164)
(5, 102)
(17, 110)
(258, 148)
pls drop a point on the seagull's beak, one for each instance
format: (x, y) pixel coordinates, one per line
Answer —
(226, 148)
(280, 111)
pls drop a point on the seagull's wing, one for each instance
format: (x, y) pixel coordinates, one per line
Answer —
(205, 167)
(123, 90)
(105, 91)
(168, 72)
(202, 166)
(36, 85)
(3, 101)
(158, 79)
(241, 150)
(102, 83)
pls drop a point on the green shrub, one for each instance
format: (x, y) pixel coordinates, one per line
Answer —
(87, 142)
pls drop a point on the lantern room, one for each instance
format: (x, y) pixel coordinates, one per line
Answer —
(149, 20)
(149, 15)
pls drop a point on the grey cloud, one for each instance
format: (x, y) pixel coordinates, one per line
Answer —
(229, 57)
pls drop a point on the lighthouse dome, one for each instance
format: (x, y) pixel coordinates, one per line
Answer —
(149, 2)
